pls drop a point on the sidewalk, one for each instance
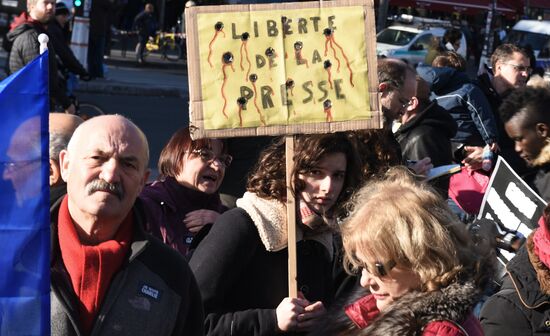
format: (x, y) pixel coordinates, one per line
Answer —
(123, 77)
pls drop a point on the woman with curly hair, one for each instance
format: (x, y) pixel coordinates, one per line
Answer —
(422, 272)
(241, 265)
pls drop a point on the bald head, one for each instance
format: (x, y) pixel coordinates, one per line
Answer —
(64, 123)
(62, 127)
(105, 167)
(394, 72)
(116, 125)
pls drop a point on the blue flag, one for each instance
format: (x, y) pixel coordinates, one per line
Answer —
(24, 201)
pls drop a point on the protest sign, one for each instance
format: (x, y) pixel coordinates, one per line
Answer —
(511, 202)
(282, 68)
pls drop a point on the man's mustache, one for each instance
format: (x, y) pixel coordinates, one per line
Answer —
(102, 185)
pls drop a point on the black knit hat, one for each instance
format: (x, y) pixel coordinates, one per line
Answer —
(61, 8)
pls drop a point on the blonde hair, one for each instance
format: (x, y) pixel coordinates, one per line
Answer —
(404, 220)
(536, 81)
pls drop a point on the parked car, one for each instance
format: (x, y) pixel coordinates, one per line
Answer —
(535, 34)
(411, 38)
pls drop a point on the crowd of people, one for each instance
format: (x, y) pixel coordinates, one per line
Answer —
(55, 20)
(380, 249)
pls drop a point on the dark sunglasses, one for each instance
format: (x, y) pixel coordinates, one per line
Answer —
(380, 269)
(208, 156)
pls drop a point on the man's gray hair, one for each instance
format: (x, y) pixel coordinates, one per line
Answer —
(58, 142)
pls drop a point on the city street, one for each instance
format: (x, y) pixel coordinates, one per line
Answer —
(158, 117)
(154, 96)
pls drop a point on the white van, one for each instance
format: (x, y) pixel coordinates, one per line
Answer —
(535, 34)
(410, 42)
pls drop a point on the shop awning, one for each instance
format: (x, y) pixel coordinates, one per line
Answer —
(470, 7)
(537, 4)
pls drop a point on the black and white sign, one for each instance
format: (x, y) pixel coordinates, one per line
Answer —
(511, 202)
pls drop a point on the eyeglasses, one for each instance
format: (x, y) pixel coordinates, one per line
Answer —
(520, 68)
(402, 101)
(380, 269)
(13, 165)
(208, 156)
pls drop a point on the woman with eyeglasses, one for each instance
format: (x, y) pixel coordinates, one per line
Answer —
(241, 265)
(182, 203)
(420, 269)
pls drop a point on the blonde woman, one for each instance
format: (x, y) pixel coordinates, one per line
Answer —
(416, 260)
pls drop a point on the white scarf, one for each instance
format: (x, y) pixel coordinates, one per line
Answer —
(269, 217)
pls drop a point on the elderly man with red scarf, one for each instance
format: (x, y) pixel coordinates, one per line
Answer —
(108, 277)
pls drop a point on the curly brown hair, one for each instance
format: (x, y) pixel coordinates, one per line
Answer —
(378, 151)
(268, 178)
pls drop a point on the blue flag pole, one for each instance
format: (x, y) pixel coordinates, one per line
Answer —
(24, 201)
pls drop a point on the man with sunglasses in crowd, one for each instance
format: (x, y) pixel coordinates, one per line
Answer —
(511, 70)
(426, 130)
(397, 84)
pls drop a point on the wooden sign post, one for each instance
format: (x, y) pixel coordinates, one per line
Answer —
(291, 219)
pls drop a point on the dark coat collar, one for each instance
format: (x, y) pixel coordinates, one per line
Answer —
(434, 115)
(57, 192)
(529, 276)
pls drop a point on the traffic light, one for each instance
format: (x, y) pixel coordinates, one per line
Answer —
(77, 3)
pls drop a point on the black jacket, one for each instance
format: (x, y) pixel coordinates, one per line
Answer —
(145, 24)
(26, 48)
(242, 283)
(62, 50)
(429, 133)
(154, 292)
(99, 17)
(57, 192)
(522, 306)
(538, 178)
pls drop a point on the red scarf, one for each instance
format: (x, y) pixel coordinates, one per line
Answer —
(91, 268)
(542, 242)
(363, 311)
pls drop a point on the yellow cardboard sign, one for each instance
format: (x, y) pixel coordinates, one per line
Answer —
(279, 65)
